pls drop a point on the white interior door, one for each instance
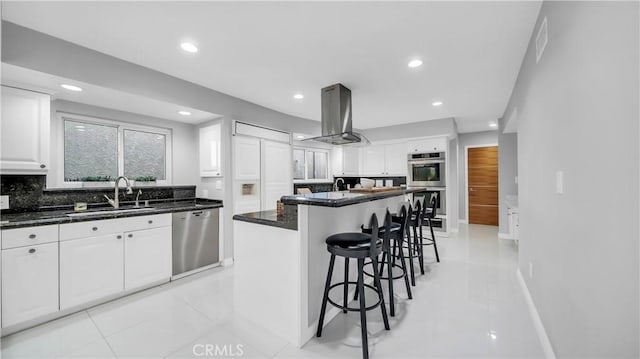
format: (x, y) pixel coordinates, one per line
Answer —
(277, 179)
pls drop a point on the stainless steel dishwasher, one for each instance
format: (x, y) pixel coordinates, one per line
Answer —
(195, 240)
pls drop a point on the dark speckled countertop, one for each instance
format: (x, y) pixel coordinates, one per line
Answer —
(60, 215)
(344, 198)
(287, 221)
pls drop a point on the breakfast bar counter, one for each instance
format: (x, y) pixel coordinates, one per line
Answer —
(279, 272)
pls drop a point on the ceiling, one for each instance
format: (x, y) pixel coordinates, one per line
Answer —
(99, 96)
(265, 52)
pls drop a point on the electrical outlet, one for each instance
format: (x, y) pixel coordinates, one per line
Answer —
(530, 269)
(205, 193)
(4, 202)
(218, 184)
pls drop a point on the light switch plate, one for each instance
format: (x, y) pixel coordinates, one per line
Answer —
(559, 182)
(4, 202)
(218, 184)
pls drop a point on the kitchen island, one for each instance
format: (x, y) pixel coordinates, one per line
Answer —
(281, 262)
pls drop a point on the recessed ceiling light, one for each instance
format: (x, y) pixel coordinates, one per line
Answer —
(300, 137)
(189, 47)
(493, 125)
(71, 87)
(415, 63)
(436, 103)
(298, 96)
(184, 113)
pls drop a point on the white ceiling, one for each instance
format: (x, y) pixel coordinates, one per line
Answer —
(99, 96)
(264, 52)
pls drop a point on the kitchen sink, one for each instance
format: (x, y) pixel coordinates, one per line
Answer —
(111, 211)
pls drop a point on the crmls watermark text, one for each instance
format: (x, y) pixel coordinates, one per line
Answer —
(216, 350)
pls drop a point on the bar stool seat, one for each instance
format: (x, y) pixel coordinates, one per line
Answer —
(349, 239)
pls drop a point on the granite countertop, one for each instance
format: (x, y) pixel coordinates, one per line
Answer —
(269, 218)
(60, 215)
(344, 198)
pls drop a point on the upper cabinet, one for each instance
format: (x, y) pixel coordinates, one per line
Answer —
(210, 156)
(385, 160)
(350, 161)
(24, 132)
(428, 145)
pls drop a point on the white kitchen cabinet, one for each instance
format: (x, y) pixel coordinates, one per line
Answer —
(373, 163)
(438, 144)
(350, 161)
(91, 268)
(210, 147)
(247, 158)
(147, 257)
(24, 132)
(29, 282)
(385, 160)
(395, 159)
(277, 179)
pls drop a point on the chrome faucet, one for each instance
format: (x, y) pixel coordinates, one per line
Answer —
(137, 205)
(335, 185)
(115, 202)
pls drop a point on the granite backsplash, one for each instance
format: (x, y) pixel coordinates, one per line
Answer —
(28, 193)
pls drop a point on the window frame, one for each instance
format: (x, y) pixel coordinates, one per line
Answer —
(306, 165)
(121, 127)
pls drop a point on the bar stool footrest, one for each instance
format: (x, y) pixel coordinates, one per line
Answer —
(352, 309)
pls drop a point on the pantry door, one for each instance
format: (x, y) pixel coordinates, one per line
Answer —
(482, 176)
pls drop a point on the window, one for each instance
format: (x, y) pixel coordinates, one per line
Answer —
(310, 164)
(102, 150)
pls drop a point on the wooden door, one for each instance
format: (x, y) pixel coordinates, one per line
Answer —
(482, 172)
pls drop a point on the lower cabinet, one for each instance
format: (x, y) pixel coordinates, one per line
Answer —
(96, 267)
(90, 268)
(147, 256)
(29, 282)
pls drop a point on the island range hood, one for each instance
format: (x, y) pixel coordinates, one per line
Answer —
(336, 117)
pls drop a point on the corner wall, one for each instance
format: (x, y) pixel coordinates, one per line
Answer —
(578, 113)
(508, 171)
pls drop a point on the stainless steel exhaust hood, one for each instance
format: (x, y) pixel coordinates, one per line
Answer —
(336, 117)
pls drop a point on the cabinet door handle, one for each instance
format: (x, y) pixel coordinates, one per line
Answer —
(43, 165)
(32, 236)
(94, 228)
(119, 237)
(32, 250)
(130, 235)
(150, 221)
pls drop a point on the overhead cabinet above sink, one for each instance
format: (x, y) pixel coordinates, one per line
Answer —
(25, 129)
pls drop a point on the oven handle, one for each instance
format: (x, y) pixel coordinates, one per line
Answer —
(423, 162)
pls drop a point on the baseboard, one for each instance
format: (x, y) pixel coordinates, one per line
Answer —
(505, 235)
(227, 262)
(462, 221)
(537, 322)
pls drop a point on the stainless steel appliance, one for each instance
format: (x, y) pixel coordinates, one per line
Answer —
(196, 240)
(336, 117)
(426, 169)
(438, 193)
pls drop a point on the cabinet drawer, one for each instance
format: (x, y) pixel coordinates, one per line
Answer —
(89, 229)
(29, 236)
(112, 226)
(148, 222)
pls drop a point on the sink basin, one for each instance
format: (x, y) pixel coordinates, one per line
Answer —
(98, 213)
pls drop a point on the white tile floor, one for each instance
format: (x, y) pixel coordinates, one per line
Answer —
(468, 305)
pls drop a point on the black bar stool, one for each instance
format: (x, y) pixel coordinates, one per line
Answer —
(429, 214)
(414, 222)
(394, 229)
(358, 246)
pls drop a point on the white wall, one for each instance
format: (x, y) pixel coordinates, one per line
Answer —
(184, 140)
(465, 140)
(508, 171)
(578, 113)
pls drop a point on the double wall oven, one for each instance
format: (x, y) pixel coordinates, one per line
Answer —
(428, 170)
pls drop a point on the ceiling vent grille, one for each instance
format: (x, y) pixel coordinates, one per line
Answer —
(541, 39)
